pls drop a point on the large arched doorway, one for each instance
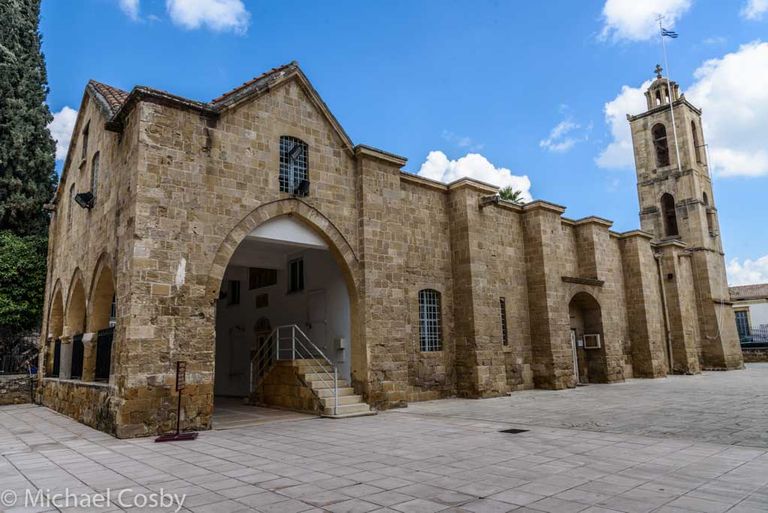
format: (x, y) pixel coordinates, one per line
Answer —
(587, 342)
(284, 284)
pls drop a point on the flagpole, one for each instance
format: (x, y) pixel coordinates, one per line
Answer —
(671, 96)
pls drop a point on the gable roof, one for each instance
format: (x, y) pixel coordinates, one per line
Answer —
(109, 98)
(116, 103)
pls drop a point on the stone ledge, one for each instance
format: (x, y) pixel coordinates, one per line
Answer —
(583, 281)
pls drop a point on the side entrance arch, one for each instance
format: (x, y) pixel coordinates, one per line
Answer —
(286, 331)
(586, 327)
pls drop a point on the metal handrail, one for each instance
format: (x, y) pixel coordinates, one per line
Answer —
(301, 348)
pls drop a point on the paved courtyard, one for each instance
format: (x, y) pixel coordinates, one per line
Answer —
(660, 445)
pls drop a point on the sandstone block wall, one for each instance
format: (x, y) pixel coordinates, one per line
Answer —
(183, 184)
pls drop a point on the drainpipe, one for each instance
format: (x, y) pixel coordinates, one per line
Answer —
(667, 330)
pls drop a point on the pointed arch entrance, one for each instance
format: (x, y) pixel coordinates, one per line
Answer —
(284, 265)
(586, 325)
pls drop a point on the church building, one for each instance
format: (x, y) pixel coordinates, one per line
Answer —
(251, 240)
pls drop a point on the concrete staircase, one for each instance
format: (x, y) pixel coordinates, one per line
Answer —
(314, 373)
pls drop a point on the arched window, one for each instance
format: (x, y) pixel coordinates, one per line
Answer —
(430, 321)
(670, 217)
(696, 144)
(95, 174)
(70, 206)
(658, 97)
(294, 164)
(661, 145)
(705, 199)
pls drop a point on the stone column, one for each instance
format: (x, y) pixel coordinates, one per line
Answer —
(551, 347)
(681, 306)
(644, 309)
(65, 357)
(594, 257)
(89, 356)
(382, 299)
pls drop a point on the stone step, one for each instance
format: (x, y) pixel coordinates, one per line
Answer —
(349, 409)
(328, 392)
(317, 376)
(309, 362)
(343, 400)
(319, 385)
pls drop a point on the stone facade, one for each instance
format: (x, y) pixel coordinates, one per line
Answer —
(182, 183)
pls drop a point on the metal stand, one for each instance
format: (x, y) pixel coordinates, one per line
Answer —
(178, 436)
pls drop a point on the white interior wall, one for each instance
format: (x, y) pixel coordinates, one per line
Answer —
(758, 314)
(235, 334)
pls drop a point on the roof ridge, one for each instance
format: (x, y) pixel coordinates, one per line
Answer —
(252, 81)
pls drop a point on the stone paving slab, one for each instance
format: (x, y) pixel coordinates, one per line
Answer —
(719, 407)
(411, 462)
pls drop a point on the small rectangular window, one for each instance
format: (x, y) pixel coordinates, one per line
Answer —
(233, 296)
(503, 308)
(259, 277)
(85, 141)
(296, 275)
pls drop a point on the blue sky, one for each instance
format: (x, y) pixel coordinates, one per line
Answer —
(493, 78)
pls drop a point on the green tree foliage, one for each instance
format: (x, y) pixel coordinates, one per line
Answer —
(27, 151)
(509, 194)
(22, 281)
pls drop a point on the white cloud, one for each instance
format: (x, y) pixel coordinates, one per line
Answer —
(733, 92)
(130, 7)
(619, 154)
(218, 15)
(472, 165)
(61, 130)
(754, 9)
(748, 273)
(635, 20)
(461, 141)
(562, 137)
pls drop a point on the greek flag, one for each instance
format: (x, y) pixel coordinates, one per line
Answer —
(668, 33)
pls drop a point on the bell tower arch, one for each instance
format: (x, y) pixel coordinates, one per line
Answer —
(677, 206)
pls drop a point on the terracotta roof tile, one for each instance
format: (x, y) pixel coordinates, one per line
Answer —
(114, 97)
(260, 78)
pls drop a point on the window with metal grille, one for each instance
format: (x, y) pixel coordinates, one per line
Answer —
(294, 163)
(503, 309)
(296, 275)
(430, 321)
(742, 325)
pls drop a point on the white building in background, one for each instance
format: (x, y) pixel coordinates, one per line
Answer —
(750, 303)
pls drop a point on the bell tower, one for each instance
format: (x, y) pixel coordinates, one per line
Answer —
(677, 206)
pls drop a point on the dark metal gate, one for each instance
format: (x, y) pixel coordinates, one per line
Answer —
(104, 353)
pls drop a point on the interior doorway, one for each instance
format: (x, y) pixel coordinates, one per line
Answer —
(282, 274)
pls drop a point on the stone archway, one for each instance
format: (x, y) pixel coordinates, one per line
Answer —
(100, 323)
(586, 325)
(338, 248)
(52, 358)
(72, 352)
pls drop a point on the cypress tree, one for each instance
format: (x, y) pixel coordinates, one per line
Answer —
(27, 151)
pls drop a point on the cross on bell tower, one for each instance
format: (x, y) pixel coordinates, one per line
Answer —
(658, 70)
